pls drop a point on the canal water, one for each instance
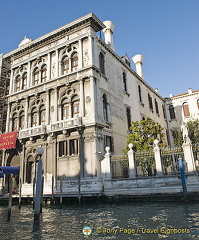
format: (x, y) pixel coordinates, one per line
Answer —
(134, 220)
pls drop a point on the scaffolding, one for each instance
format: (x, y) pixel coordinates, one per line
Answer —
(4, 91)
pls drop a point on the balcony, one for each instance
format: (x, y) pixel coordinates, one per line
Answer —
(53, 127)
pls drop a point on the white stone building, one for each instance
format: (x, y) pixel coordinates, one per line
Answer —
(71, 93)
(181, 109)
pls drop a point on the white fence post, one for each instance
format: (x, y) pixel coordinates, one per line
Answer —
(106, 165)
(132, 170)
(158, 162)
(188, 156)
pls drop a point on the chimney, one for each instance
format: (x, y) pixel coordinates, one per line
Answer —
(156, 90)
(108, 33)
(189, 91)
(171, 95)
(138, 60)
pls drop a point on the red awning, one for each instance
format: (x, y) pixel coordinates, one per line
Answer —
(8, 140)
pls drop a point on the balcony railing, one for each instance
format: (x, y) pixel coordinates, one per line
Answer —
(59, 125)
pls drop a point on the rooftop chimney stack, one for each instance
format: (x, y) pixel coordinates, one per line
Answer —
(138, 60)
(108, 33)
(189, 91)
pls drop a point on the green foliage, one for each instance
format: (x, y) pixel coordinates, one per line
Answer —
(144, 133)
(177, 137)
(193, 131)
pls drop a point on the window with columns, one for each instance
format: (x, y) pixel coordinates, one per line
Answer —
(24, 81)
(18, 83)
(14, 122)
(42, 115)
(22, 120)
(36, 76)
(74, 62)
(64, 109)
(34, 117)
(65, 65)
(43, 73)
(75, 106)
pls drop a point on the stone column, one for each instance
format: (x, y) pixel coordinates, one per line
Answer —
(80, 60)
(48, 67)
(55, 105)
(11, 82)
(132, 167)
(90, 49)
(28, 76)
(157, 158)
(188, 157)
(106, 165)
(8, 118)
(26, 114)
(93, 94)
(47, 106)
(57, 64)
(82, 105)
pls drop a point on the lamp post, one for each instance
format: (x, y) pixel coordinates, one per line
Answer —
(37, 206)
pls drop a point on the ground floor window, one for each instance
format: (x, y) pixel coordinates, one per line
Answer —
(68, 147)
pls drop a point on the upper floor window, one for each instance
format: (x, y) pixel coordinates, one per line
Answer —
(42, 115)
(128, 115)
(22, 119)
(140, 93)
(124, 81)
(14, 122)
(34, 117)
(36, 76)
(150, 102)
(172, 112)
(75, 106)
(18, 83)
(24, 81)
(105, 107)
(185, 107)
(156, 107)
(65, 65)
(64, 109)
(198, 103)
(102, 62)
(74, 62)
(43, 73)
(163, 110)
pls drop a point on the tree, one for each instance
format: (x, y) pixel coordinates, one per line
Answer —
(144, 133)
(177, 137)
(193, 131)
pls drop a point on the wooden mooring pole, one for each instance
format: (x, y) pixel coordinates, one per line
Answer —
(10, 198)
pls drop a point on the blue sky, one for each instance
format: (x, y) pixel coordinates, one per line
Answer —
(165, 32)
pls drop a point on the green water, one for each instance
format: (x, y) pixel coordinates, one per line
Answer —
(153, 220)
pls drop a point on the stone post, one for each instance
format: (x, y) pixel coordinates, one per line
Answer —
(106, 165)
(132, 170)
(188, 156)
(158, 162)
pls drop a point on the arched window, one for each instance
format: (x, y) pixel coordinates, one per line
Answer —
(22, 120)
(172, 112)
(36, 76)
(198, 103)
(124, 82)
(140, 93)
(105, 107)
(102, 62)
(14, 122)
(150, 102)
(75, 106)
(43, 73)
(156, 107)
(74, 62)
(65, 109)
(34, 117)
(185, 107)
(24, 81)
(18, 83)
(42, 115)
(128, 115)
(65, 65)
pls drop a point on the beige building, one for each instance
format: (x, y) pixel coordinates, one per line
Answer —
(71, 93)
(181, 109)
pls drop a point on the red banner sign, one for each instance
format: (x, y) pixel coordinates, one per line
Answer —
(8, 140)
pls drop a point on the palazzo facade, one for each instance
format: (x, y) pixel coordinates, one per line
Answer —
(73, 95)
